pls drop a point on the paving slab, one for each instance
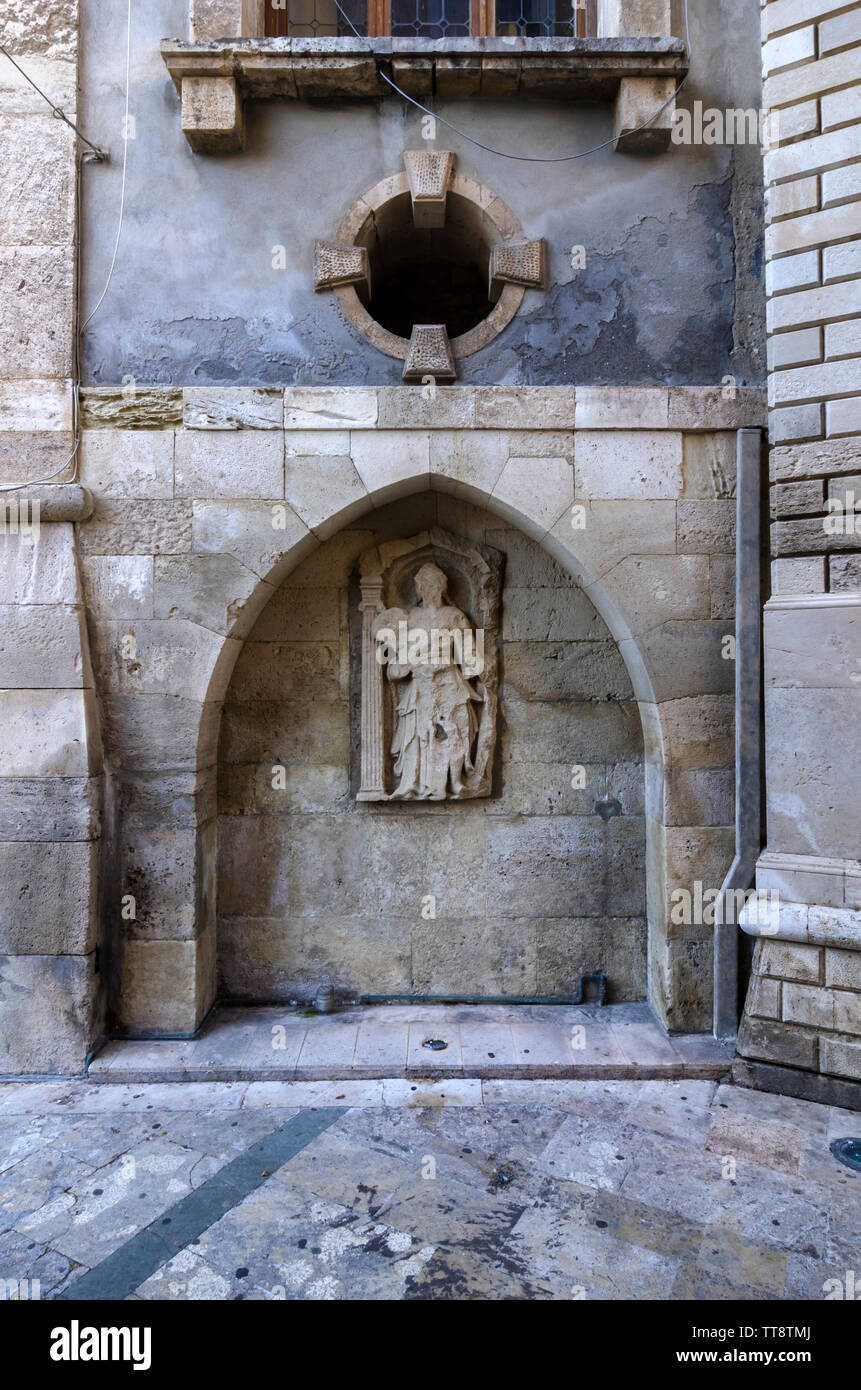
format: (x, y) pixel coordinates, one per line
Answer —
(399, 1188)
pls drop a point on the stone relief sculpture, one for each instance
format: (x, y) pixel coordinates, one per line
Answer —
(429, 669)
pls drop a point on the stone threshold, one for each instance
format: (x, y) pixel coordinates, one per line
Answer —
(483, 1042)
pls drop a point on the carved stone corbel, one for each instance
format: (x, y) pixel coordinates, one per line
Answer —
(336, 264)
(430, 354)
(429, 173)
(212, 116)
(516, 263)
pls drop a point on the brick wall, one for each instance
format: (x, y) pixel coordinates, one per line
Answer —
(804, 1008)
(802, 1021)
(812, 79)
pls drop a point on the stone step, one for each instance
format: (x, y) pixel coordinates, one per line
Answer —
(489, 1042)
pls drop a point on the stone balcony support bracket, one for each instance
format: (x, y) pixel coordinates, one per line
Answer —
(215, 76)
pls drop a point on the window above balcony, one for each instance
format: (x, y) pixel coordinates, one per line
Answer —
(431, 19)
(602, 50)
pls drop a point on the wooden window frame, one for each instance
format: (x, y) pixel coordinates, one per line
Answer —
(482, 19)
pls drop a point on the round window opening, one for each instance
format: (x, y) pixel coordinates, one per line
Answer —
(429, 275)
(429, 265)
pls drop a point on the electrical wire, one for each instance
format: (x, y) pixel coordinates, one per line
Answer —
(98, 303)
(56, 110)
(525, 158)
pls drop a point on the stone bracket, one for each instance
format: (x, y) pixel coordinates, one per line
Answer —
(516, 263)
(429, 173)
(637, 129)
(212, 114)
(430, 354)
(336, 263)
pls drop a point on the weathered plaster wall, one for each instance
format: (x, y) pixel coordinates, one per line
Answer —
(533, 886)
(666, 295)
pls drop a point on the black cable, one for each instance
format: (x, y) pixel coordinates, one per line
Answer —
(503, 154)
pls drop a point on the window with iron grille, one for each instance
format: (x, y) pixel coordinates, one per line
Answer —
(432, 19)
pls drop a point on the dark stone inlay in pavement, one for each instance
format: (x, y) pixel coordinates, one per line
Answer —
(123, 1271)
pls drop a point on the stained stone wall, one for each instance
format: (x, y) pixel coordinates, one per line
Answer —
(532, 887)
(182, 554)
(50, 754)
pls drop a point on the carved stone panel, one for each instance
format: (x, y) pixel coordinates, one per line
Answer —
(430, 671)
(429, 173)
(430, 354)
(337, 264)
(516, 263)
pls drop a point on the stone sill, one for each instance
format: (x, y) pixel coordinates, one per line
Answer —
(335, 69)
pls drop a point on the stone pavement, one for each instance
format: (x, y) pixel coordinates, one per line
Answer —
(484, 1041)
(398, 1189)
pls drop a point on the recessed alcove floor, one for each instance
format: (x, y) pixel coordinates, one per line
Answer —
(279, 1043)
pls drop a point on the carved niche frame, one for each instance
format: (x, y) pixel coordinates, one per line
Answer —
(386, 577)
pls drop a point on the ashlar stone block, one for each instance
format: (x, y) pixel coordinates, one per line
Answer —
(643, 117)
(212, 116)
(516, 263)
(335, 264)
(430, 357)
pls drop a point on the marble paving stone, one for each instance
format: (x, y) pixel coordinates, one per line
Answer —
(591, 1261)
(431, 1094)
(423, 1061)
(531, 1041)
(843, 1240)
(274, 1045)
(644, 1043)
(359, 1176)
(380, 1044)
(584, 1151)
(537, 1045)
(278, 1094)
(728, 1255)
(679, 1110)
(768, 1142)
(453, 1188)
(322, 1046)
(36, 1182)
(29, 1259)
(486, 1046)
(95, 1216)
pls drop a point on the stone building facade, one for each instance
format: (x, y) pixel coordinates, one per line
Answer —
(259, 400)
(802, 1028)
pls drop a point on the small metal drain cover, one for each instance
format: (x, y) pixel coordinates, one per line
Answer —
(848, 1151)
(435, 1044)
